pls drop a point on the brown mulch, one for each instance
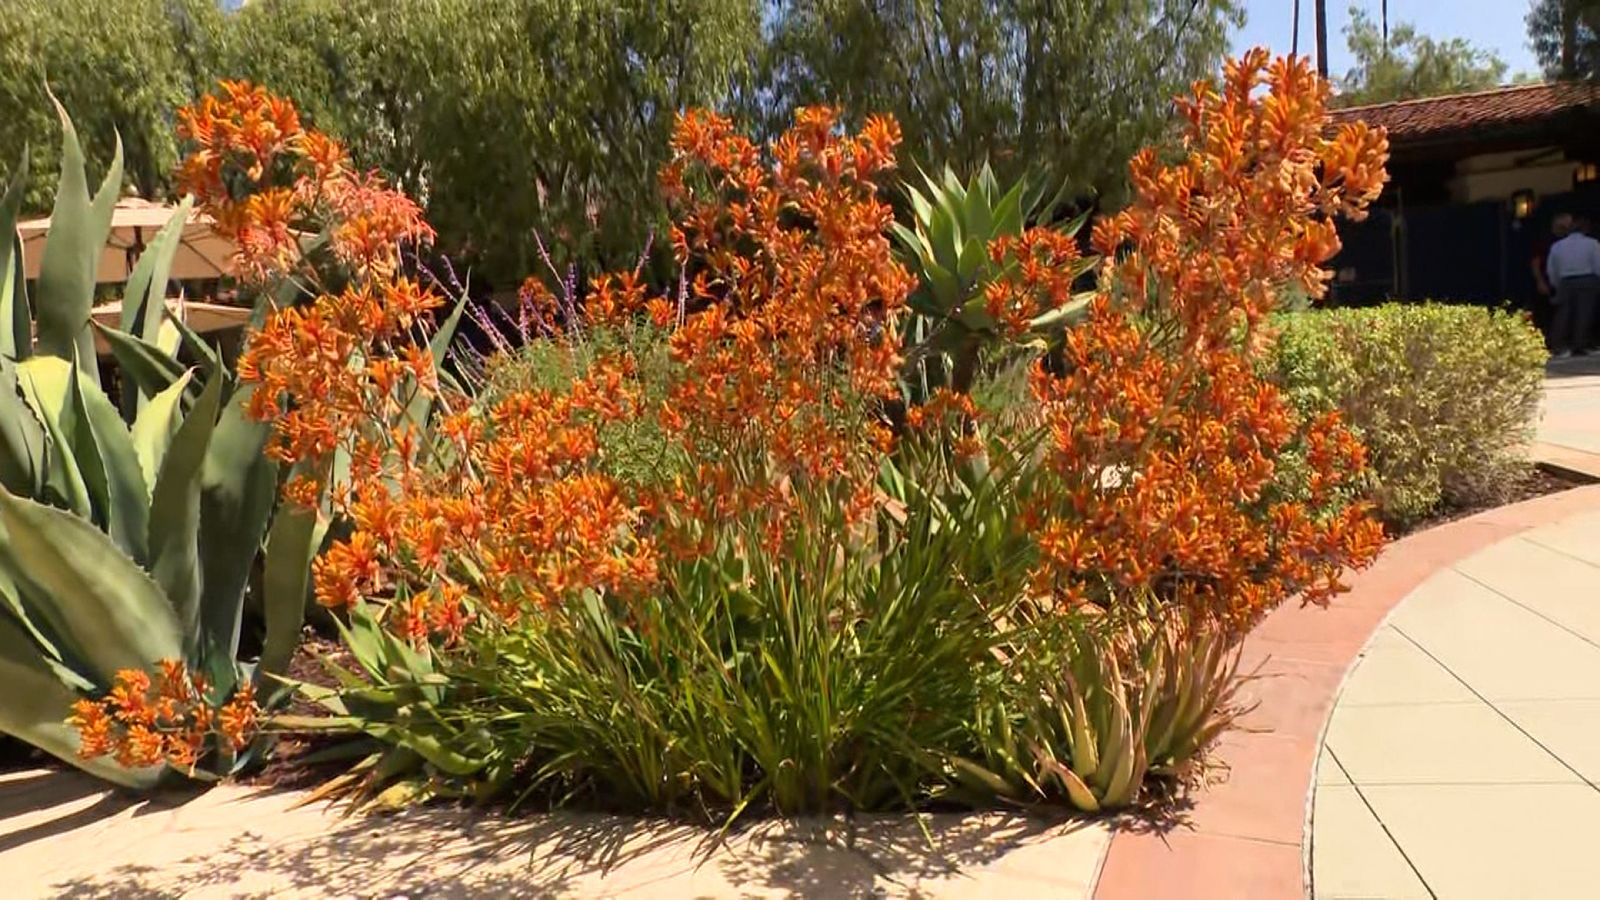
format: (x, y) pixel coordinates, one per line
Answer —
(1539, 483)
(286, 765)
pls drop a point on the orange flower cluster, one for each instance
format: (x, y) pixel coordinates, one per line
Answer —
(522, 517)
(781, 350)
(1163, 440)
(1249, 211)
(273, 186)
(1047, 263)
(796, 339)
(143, 723)
(348, 364)
(1159, 470)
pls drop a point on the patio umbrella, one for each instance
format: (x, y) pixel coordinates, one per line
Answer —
(202, 252)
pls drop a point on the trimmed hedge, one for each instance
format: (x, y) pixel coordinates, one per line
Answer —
(1445, 397)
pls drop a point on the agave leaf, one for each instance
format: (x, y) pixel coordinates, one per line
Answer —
(1009, 213)
(22, 438)
(1085, 747)
(239, 485)
(1070, 313)
(47, 383)
(79, 226)
(11, 598)
(921, 207)
(1077, 791)
(36, 706)
(973, 256)
(944, 235)
(210, 363)
(946, 289)
(1076, 224)
(155, 425)
(16, 320)
(914, 243)
(175, 516)
(16, 315)
(953, 186)
(111, 467)
(977, 216)
(145, 295)
(150, 368)
(96, 602)
(292, 544)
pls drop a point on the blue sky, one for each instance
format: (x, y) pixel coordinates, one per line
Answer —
(1494, 24)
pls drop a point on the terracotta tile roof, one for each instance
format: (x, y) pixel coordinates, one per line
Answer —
(1497, 108)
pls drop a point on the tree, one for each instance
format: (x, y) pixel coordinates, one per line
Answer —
(1411, 65)
(506, 118)
(1565, 35)
(1076, 85)
(121, 74)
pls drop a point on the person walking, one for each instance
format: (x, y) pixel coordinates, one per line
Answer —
(1573, 268)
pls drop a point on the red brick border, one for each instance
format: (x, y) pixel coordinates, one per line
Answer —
(1245, 837)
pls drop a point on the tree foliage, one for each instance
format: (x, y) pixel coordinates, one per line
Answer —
(1565, 35)
(1411, 64)
(1076, 83)
(511, 118)
(505, 116)
(120, 73)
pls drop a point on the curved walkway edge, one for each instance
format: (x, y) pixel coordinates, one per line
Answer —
(1248, 835)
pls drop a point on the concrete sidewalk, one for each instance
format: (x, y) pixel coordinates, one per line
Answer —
(1463, 756)
(1569, 429)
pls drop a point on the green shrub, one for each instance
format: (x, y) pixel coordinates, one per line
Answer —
(1444, 397)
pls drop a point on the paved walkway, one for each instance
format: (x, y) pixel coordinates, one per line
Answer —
(63, 836)
(1569, 432)
(1463, 756)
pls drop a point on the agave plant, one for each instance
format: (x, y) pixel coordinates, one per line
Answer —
(127, 536)
(948, 249)
(1111, 704)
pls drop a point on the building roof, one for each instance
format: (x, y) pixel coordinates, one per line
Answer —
(1503, 109)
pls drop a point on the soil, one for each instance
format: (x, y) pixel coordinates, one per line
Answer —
(286, 765)
(1540, 482)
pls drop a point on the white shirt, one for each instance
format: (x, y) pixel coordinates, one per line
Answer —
(1574, 255)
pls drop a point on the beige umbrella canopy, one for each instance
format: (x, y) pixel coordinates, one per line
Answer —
(202, 252)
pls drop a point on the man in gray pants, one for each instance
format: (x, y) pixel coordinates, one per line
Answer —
(1574, 270)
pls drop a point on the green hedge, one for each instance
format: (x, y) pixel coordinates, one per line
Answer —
(1445, 397)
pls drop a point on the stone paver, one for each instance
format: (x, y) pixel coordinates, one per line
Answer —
(1238, 840)
(1468, 736)
(62, 836)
